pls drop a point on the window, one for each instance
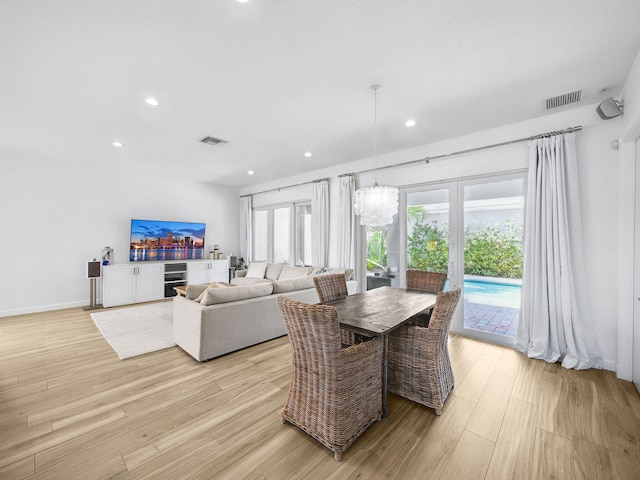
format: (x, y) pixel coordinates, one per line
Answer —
(282, 234)
(303, 234)
(260, 235)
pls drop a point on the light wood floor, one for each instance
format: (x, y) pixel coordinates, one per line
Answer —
(69, 408)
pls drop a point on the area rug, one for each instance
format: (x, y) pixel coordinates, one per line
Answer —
(137, 330)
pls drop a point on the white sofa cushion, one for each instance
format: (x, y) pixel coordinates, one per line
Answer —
(348, 272)
(273, 271)
(256, 270)
(211, 285)
(289, 272)
(194, 292)
(283, 286)
(248, 281)
(215, 296)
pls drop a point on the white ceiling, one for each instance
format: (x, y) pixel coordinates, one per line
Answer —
(277, 78)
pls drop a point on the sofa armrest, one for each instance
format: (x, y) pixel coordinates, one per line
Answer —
(187, 326)
(241, 273)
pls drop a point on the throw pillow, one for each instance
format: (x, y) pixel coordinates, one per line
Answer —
(256, 270)
(193, 291)
(273, 270)
(347, 272)
(289, 272)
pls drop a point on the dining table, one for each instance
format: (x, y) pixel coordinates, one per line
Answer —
(379, 312)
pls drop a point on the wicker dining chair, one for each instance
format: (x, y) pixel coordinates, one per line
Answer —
(425, 281)
(419, 367)
(335, 393)
(331, 287)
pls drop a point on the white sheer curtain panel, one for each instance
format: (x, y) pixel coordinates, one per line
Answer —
(346, 222)
(555, 318)
(246, 205)
(320, 223)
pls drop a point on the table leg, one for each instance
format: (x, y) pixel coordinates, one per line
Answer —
(385, 350)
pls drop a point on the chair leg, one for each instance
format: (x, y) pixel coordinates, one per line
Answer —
(438, 411)
(338, 456)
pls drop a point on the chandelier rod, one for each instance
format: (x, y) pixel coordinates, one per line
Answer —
(375, 89)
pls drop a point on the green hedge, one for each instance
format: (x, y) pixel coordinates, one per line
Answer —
(489, 250)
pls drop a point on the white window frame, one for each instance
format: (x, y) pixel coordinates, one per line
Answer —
(293, 254)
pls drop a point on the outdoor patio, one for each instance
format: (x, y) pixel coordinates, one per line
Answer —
(491, 318)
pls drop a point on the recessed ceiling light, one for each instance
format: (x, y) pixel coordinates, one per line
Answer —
(307, 154)
(410, 123)
(250, 172)
(117, 144)
(152, 101)
(243, 1)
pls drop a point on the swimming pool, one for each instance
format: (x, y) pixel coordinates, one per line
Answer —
(492, 292)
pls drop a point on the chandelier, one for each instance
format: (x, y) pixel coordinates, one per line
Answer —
(376, 205)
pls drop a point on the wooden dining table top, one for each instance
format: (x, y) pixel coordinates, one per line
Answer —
(381, 310)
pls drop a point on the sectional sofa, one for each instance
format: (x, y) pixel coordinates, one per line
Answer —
(215, 319)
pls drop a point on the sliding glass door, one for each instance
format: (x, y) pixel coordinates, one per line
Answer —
(491, 258)
(471, 229)
(430, 237)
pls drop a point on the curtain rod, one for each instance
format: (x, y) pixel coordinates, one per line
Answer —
(277, 189)
(428, 159)
(469, 150)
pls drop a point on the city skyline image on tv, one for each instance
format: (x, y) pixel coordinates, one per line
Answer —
(166, 240)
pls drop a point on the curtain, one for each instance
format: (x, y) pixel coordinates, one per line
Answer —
(320, 223)
(555, 318)
(346, 222)
(246, 236)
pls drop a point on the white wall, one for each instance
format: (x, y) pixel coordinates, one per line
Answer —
(598, 174)
(57, 216)
(631, 98)
(628, 289)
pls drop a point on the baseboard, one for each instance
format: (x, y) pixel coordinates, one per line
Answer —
(42, 308)
(608, 365)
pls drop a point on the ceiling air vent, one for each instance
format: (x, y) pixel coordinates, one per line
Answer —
(566, 99)
(218, 142)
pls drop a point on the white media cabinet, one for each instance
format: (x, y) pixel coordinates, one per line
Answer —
(126, 283)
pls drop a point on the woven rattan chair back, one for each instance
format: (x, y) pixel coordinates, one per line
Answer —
(443, 311)
(331, 287)
(334, 394)
(419, 364)
(426, 281)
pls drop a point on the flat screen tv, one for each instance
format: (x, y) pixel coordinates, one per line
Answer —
(162, 240)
